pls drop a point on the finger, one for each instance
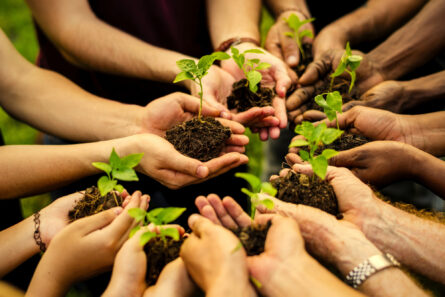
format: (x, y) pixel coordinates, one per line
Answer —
(178, 162)
(237, 213)
(280, 111)
(284, 172)
(300, 96)
(238, 140)
(235, 127)
(255, 115)
(303, 168)
(313, 115)
(292, 159)
(145, 200)
(346, 159)
(316, 70)
(274, 132)
(353, 103)
(191, 104)
(206, 210)
(223, 216)
(200, 226)
(283, 81)
(98, 221)
(264, 134)
(124, 222)
(291, 52)
(157, 229)
(272, 42)
(233, 149)
(274, 240)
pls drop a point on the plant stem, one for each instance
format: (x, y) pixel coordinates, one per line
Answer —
(115, 199)
(336, 119)
(331, 84)
(200, 100)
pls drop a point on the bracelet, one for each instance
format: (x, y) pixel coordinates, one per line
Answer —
(369, 267)
(280, 12)
(235, 41)
(37, 237)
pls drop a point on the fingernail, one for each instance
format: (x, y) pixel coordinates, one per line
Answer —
(118, 210)
(202, 171)
(225, 115)
(283, 91)
(291, 60)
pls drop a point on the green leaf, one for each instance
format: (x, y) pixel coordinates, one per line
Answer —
(125, 174)
(351, 85)
(169, 214)
(114, 161)
(133, 231)
(119, 188)
(267, 187)
(183, 76)
(267, 203)
(105, 185)
(307, 21)
(334, 101)
(330, 114)
(306, 33)
(152, 216)
(254, 182)
(355, 58)
(319, 99)
(204, 64)
(170, 232)
(262, 66)
(221, 56)
(348, 50)
(330, 135)
(256, 282)
(340, 69)
(103, 166)
(255, 61)
(234, 51)
(298, 143)
(328, 153)
(254, 77)
(253, 51)
(304, 155)
(146, 237)
(319, 166)
(318, 132)
(306, 129)
(137, 213)
(247, 192)
(293, 22)
(187, 65)
(132, 160)
(289, 34)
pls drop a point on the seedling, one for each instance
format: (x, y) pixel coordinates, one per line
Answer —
(316, 136)
(257, 187)
(196, 71)
(250, 67)
(159, 217)
(295, 24)
(331, 106)
(117, 169)
(348, 63)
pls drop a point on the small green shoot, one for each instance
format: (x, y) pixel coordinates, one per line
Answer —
(257, 187)
(117, 169)
(331, 106)
(295, 24)
(348, 63)
(196, 71)
(316, 136)
(159, 217)
(256, 282)
(250, 67)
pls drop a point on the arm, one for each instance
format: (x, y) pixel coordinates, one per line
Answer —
(412, 45)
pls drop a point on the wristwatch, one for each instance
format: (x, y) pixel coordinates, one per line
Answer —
(369, 267)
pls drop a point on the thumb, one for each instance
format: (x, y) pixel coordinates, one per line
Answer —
(315, 71)
(353, 103)
(176, 161)
(97, 221)
(343, 159)
(291, 52)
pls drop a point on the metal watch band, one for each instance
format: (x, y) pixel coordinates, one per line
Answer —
(369, 267)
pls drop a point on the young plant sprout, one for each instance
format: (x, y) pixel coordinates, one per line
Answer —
(295, 24)
(159, 217)
(250, 67)
(316, 136)
(348, 63)
(196, 71)
(331, 106)
(117, 169)
(257, 187)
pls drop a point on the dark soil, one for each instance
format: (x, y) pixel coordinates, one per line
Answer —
(345, 142)
(159, 254)
(308, 58)
(253, 238)
(243, 99)
(202, 140)
(340, 84)
(92, 202)
(300, 189)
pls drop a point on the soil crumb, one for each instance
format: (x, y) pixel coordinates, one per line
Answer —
(253, 238)
(243, 99)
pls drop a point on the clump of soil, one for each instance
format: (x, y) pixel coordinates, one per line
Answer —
(159, 254)
(340, 84)
(202, 140)
(242, 98)
(308, 58)
(253, 238)
(92, 202)
(301, 189)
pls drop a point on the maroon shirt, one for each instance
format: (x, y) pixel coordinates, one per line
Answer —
(172, 24)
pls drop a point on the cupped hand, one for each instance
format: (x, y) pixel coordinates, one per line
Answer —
(212, 259)
(282, 46)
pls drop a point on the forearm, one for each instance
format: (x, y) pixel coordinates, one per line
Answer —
(415, 242)
(46, 282)
(88, 42)
(35, 169)
(232, 18)
(17, 246)
(424, 89)
(412, 45)
(279, 6)
(231, 283)
(377, 18)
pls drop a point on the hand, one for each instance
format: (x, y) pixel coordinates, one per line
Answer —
(330, 38)
(84, 248)
(279, 74)
(379, 162)
(174, 170)
(211, 261)
(281, 46)
(389, 95)
(226, 212)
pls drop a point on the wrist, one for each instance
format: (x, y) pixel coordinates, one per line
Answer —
(231, 281)
(227, 44)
